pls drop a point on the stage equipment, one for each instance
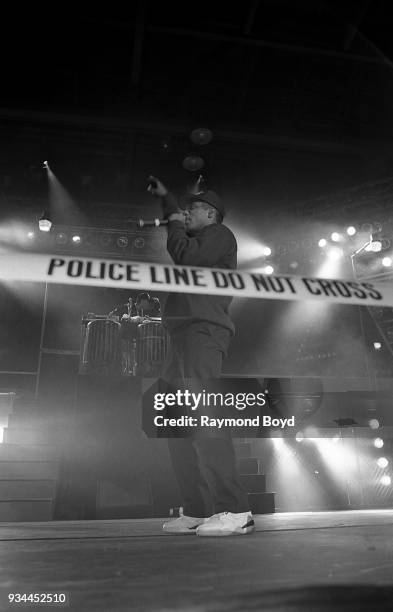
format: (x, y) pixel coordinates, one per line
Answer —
(101, 352)
(152, 345)
(44, 222)
(201, 136)
(193, 163)
(137, 347)
(151, 223)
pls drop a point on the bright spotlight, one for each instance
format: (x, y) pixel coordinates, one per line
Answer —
(31, 235)
(45, 165)
(335, 253)
(382, 462)
(322, 243)
(374, 247)
(76, 239)
(378, 443)
(351, 231)
(385, 480)
(335, 456)
(377, 346)
(269, 270)
(266, 251)
(335, 236)
(387, 261)
(277, 442)
(373, 423)
(45, 223)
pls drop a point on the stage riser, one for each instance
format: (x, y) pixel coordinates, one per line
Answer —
(26, 489)
(14, 452)
(248, 465)
(243, 449)
(26, 510)
(110, 468)
(253, 483)
(262, 503)
(28, 436)
(29, 470)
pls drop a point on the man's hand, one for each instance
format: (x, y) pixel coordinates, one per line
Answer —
(134, 319)
(180, 216)
(156, 187)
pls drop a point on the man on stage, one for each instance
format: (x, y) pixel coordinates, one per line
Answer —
(200, 330)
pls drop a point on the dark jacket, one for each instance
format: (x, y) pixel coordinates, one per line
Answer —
(214, 246)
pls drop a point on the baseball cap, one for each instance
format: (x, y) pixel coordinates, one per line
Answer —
(210, 197)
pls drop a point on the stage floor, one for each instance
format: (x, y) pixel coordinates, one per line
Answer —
(294, 561)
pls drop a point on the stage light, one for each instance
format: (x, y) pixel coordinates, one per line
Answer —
(387, 261)
(378, 443)
(76, 239)
(377, 346)
(105, 240)
(299, 436)
(266, 251)
(373, 423)
(122, 242)
(61, 238)
(322, 242)
(311, 432)
(336, 456)
(278, 442)
(45, 165)
(139, 242)
(31, 235)
(374, 247)
(269, 270)
(385, 480)
(382, 462)
(335, 236)
(335, 253)
(193, 163)
(44, 222)
(201, 136)
(351, 231)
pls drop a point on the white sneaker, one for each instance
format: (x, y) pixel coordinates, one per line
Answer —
(227, 523)
(183, 524)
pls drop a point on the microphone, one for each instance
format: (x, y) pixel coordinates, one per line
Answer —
(152, 223)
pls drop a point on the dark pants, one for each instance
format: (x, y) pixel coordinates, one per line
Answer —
(204, 463)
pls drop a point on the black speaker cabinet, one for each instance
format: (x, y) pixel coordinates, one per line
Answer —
(110, 469)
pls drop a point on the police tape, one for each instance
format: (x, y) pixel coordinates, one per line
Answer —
(21, 266)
